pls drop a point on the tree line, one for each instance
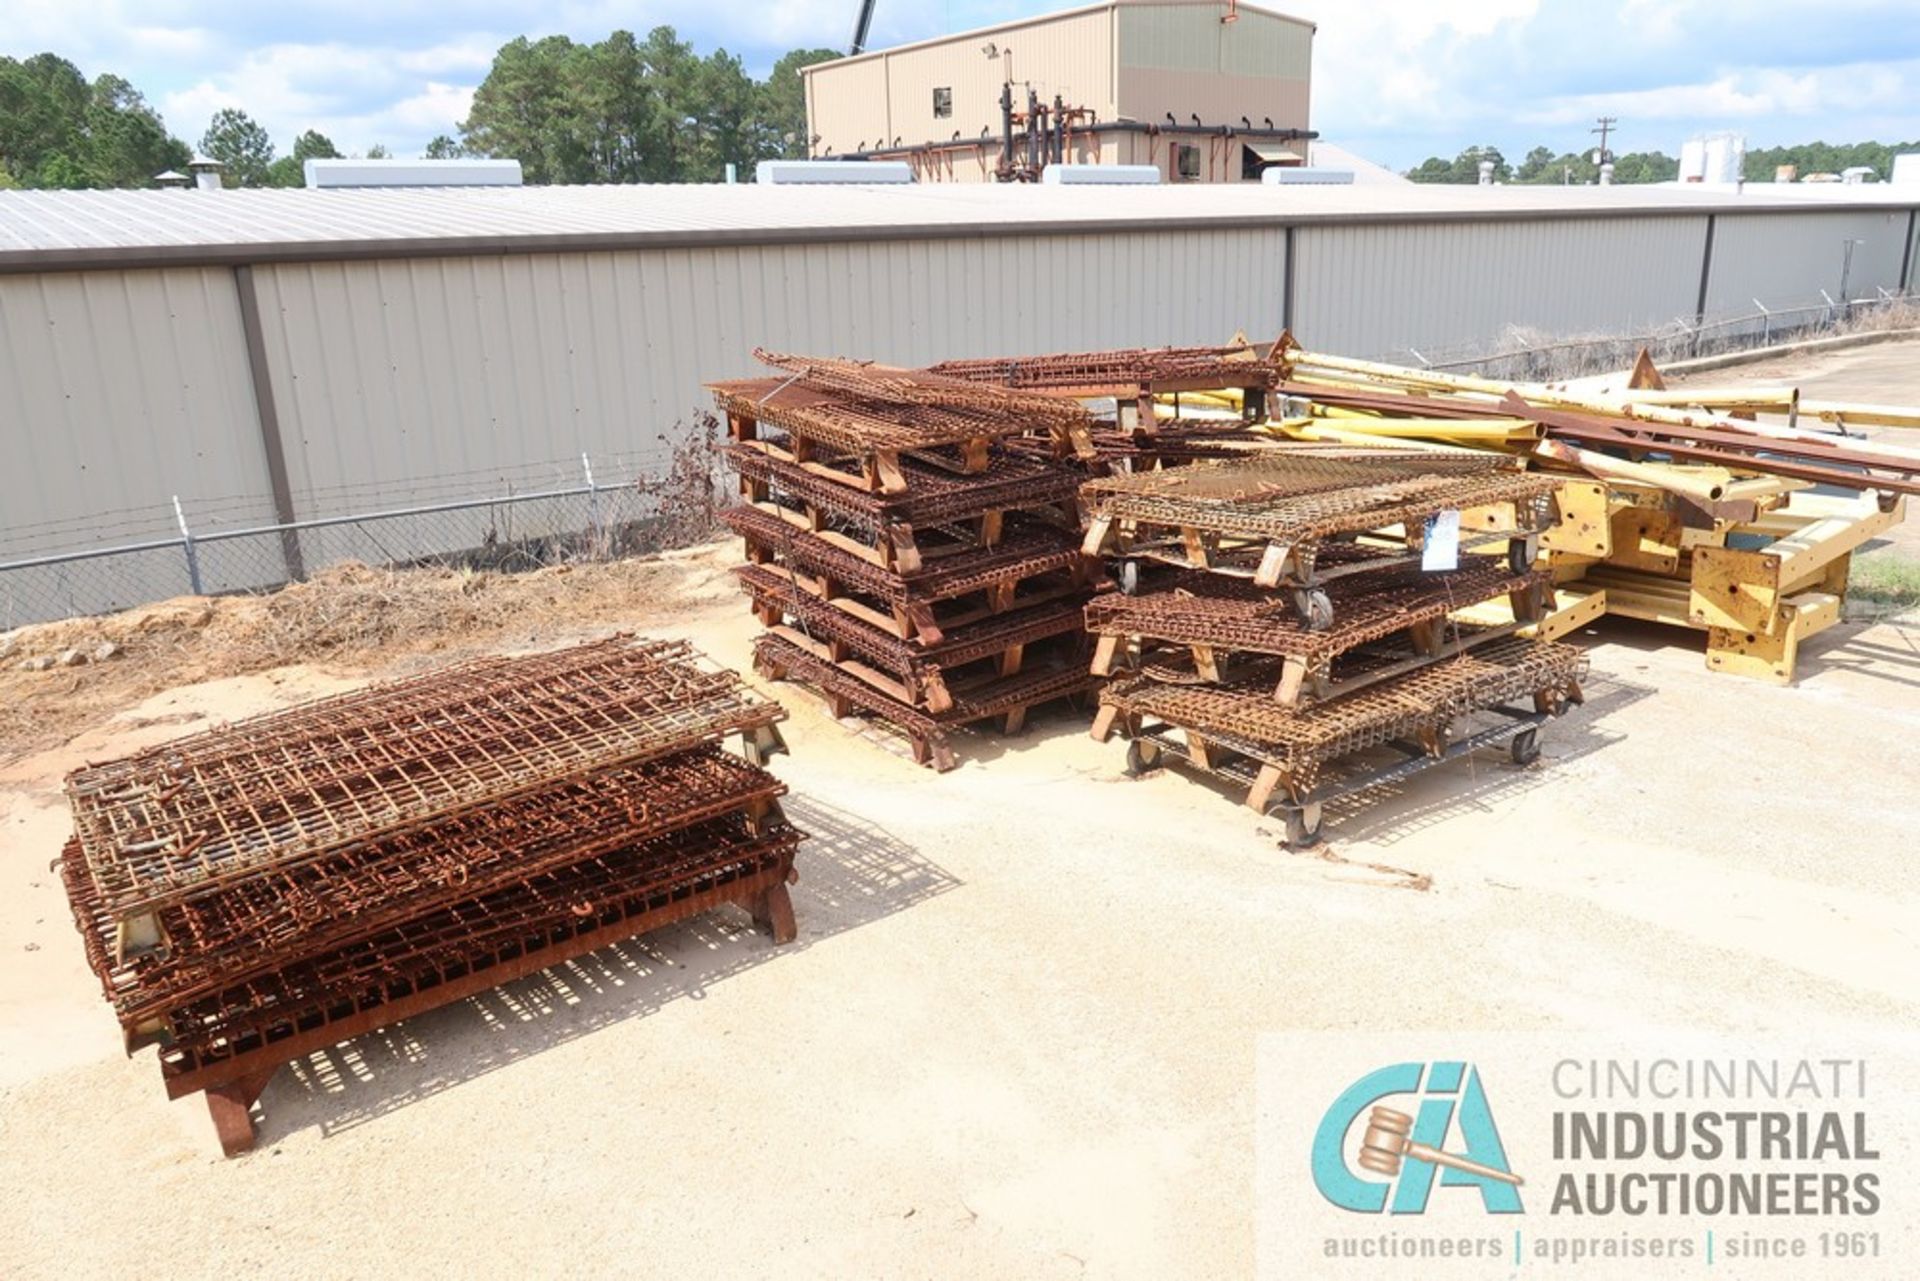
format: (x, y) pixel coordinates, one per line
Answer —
(621, 110)
(1542, 167)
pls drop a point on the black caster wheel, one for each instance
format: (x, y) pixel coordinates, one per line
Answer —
(1520, 554)
(1314, 607)
(1127, 575)
(1142, 757)
(1302, 834)
(1525, 747)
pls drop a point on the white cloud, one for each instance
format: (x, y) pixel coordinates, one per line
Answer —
(356, 96)
(1400, 79)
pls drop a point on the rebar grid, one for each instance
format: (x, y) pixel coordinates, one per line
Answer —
(1301, 740)
(1294, 500)
(262, 923)
(1198, 608)
(972, 642)
(934, 495)
(889, 385)
(1025, 551)
(1221, 367)
(525, 916)
(1185, 440)
(1175, 665)
(858, 427)
(189, 817)
(780, 659)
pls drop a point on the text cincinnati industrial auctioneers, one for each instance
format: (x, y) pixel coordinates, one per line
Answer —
(1767, 1147)
(1629, 1158)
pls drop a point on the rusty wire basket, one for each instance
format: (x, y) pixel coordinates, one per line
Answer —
(885, 384)
(857, 427)
(1299, 741)
(1026, 551)
(204, 812)
(1295, 497)
(1122, 370)
(990, 637)
(1194, 607)
(258, 925)
(780, 659)
(933, 495)
(521, 918)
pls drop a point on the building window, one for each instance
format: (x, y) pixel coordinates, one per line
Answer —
(1186, 163)
(942, 103)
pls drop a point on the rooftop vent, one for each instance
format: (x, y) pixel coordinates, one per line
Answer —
(1305, 175)
(206, 171)
(1100, 175)
(413, 173)
(782, 172)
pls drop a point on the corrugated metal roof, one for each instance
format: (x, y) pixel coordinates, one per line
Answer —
(52, 230)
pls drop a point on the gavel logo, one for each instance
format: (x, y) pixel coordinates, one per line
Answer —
(1389, 1139)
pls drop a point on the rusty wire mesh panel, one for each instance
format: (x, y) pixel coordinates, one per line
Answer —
(259, 924)
(780, 659)
(966, 644)
(1182, 440)
(1095, 371)
(191, 816)
(526, 916)
(885, 384)
(1198, 608)
(934, 495)
(1025, 551)
(858, 427)
(1300, 740)
(1294, 498)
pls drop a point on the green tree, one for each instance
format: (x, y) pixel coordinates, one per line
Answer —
(1463, 168)
(629, 110)
(443, 148)
(291, 170)
(521, 110)
(783, 105)
(56, 130)
(237, 141)
(725, 109)
(1534, 165)
(378, 151)
(1645, 166)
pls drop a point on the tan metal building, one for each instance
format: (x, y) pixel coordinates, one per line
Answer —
(1206, 90)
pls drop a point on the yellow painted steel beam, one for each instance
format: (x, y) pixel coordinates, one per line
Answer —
(1846, 411)
(1805, 553)
(1702, 485)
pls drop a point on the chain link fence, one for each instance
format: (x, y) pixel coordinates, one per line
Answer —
(1523, 355)
(611, 509)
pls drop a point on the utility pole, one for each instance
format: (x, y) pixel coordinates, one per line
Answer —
(1606, 127)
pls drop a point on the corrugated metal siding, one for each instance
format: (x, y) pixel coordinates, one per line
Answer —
(1786, 259)
(1181, 59)
(393, 372)
(848, 104)
(1184, 37)
(119, 390)
(1385, 289)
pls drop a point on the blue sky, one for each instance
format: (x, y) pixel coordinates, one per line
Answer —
(1396, 80)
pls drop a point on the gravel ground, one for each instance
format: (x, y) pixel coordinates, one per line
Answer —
(1017, 1034)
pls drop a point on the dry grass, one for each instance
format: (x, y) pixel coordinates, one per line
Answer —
(349, 614)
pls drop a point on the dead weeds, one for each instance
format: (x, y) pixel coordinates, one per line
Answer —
(350, 614)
